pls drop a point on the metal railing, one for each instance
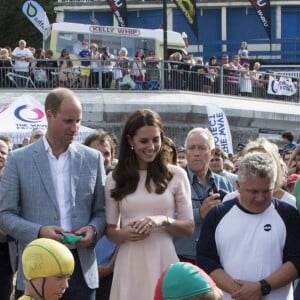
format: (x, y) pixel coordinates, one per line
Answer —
(168, 75)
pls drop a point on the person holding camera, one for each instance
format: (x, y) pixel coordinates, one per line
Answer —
(107, 64)
(206, 186)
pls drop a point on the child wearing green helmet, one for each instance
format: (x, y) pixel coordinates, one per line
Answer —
(185, 281)
(47, 266)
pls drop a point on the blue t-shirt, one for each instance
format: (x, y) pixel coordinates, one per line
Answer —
(85, 53)
(104, 251)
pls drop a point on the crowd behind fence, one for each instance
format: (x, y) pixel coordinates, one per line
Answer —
(157, 75)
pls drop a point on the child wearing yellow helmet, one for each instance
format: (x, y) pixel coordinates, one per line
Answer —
(47, 266)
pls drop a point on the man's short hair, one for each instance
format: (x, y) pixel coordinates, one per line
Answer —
(204, 132)
(257, 164)
(103, 137)
(56, 97)
(288, 135)
(220, 152)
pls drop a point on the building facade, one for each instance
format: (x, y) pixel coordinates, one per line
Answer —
(222, 25)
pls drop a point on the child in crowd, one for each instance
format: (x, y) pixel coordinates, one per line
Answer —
(47, 266)
(85, 69)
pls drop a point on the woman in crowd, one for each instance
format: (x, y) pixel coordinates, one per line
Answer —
(170, 147)
(246, 81)
(39, 56)
(143, 193)
(152, 66)
(213, 74)
(123, 61)
(5, 67)
(65, 65)
(199, 80)
(121, 68)
(243, 53)
(95, 56)
(175, 61)
(137, 66)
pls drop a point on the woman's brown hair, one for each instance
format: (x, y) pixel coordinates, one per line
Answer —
(126, 172)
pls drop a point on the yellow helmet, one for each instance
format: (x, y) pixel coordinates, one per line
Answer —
(45, 257)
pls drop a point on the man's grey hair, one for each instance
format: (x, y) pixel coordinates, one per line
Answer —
(204, 132)
(257, 164)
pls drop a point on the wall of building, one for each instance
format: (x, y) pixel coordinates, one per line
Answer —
(221, 26)
(180, 111)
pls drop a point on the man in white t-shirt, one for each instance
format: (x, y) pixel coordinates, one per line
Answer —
(250, 245)
(22, 57)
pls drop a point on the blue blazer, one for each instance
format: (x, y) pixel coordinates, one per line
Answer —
(28, 200)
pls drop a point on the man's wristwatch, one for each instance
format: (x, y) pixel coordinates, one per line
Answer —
(265, 287)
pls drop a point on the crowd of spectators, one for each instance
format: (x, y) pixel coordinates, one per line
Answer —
(93, 68)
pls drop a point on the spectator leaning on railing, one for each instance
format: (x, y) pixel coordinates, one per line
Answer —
(5, 66)
(22, 57)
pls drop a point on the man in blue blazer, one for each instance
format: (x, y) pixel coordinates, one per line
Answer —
(56, 185)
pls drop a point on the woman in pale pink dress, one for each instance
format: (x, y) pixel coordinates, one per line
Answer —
(147, 202)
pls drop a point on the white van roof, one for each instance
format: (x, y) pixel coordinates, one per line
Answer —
(173, 37)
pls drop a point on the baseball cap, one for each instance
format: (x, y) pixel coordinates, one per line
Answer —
(182, 280)
(45, 257)
(292, 179)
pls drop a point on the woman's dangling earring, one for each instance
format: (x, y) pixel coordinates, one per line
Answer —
(132, 148)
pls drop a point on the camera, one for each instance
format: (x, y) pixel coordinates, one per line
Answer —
(222, 194)
(214, 190)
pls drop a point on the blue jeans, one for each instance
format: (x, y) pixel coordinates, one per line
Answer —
(78, 289)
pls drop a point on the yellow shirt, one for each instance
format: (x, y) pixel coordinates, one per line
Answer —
(24, 297)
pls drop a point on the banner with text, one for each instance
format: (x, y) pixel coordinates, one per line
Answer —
(219, 127)
(119, 9)
(263, 10)
(188, 8)
(37, 16)
(26, 113)
(281, 87)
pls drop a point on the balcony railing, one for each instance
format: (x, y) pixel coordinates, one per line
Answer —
(168, 75)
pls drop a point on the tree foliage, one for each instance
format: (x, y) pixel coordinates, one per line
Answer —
(16, 26)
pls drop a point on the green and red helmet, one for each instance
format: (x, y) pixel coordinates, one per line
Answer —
(182, 280)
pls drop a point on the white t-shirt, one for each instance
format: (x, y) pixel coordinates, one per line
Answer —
(250, 246)
(21, 65)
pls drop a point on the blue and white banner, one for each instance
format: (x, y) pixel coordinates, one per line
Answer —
(22, 116)
(37, 16)
(282, 87)
(219, 127)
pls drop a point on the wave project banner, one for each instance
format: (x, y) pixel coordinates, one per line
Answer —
(263, 10)
(119, 9)
(282, 86)
(188, 8)
(219, 127)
